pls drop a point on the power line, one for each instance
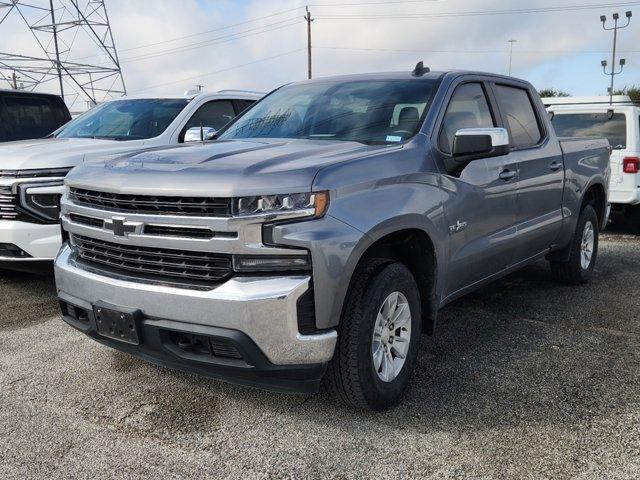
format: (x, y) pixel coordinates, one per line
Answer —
(482, 52)
(478, 12)
(215, 41)
(205, 32)
(261, 60)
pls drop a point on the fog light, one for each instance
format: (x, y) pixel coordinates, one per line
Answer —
(263, 263)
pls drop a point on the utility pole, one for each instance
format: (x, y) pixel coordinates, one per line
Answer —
(55, 42)
(14, 81)
(615, 28)
(511, 42)
(308, 18)
(199, 87)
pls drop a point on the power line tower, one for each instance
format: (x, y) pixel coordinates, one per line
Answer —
(72, 47)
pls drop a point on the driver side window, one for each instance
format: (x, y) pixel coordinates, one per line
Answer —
(468, 108)
(214, 114)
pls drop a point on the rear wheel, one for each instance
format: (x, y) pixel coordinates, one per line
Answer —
(378, 337)
(584, 251)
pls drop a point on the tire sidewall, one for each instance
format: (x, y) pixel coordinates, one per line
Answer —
(588, 215)
(394, 277)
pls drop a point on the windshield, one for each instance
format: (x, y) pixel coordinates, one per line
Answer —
(613, 128)
(125, 120)
(372, 112)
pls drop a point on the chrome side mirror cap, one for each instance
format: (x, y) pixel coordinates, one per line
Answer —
(472, 144)
(196, 134)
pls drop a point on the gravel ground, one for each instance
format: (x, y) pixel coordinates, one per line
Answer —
(526, 378)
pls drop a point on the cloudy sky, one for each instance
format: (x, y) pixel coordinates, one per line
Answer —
(168, 46)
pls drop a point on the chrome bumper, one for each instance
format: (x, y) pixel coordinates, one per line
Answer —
(263, 308)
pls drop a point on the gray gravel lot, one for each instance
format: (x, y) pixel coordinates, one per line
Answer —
(526, 378)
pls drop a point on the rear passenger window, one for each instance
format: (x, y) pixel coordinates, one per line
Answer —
(519, 113)
(30, 117)
(468, 108)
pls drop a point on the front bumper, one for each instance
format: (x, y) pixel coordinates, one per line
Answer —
(40, 242)
(255, 315)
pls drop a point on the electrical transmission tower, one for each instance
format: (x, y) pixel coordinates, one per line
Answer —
(72, 49)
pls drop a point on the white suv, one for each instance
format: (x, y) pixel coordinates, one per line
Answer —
(620, 123)
(32, 171)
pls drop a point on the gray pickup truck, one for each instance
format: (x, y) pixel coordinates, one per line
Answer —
(318, 237)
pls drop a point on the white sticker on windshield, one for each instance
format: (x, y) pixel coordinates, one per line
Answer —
(393, 138)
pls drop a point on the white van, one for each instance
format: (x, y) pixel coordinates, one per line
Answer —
(620, 123)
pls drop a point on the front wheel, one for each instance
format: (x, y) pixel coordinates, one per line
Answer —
(584, 251)
(378, 337)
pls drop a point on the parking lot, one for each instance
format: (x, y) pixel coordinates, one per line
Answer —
(526, 378)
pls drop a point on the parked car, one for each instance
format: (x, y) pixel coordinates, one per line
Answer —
(27, 115)
(620, 124)
(31, 172)
(322, 233)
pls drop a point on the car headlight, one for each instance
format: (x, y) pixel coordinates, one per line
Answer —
(292, 205)
(41, 200)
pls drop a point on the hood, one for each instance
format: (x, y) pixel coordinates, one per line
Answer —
(222, 168)
(59, 152)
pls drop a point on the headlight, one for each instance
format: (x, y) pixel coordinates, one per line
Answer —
(42, 199)
(291, 204)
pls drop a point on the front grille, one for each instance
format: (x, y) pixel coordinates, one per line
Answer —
(8, 204)
(156, 205)
(159, 264)
(35, 173)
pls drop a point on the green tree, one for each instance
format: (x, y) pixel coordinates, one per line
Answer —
(632, 91)
(552, 92)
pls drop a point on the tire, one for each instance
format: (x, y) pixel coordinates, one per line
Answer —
(352, 375)
(574, 271)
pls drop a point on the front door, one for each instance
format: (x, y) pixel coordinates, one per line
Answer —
(480, 204)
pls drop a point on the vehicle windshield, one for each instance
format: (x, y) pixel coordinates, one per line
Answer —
(613, 128)
(125, 120)
(370, 112)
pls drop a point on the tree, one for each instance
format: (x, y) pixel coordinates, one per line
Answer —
(632, 91)
(552, 92)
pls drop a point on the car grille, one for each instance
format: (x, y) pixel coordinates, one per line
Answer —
(154, 263)
(8, 209)
(188, 206)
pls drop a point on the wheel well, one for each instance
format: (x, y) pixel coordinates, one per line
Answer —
(414, 249)
(596, 197)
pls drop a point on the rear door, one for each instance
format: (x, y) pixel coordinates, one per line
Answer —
(540, 169)
(481, 205)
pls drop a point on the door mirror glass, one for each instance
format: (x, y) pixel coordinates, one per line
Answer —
(195, 134)
(472, 144)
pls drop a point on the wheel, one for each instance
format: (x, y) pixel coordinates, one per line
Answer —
(584, 251)
(378, 337)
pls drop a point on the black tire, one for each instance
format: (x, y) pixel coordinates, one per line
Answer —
(572, 270)
(351, 375)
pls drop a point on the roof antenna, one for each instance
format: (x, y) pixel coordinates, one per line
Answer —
(420, 69)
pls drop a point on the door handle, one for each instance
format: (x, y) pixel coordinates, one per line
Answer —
(507, 174)
(555, 166)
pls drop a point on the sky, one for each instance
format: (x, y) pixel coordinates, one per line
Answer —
(169, 46)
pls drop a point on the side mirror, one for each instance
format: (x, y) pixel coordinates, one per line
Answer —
(194, 134)
(472, 144)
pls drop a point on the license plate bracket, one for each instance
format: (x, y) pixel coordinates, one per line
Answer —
(118, 324)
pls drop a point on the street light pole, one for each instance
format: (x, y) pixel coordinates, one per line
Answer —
(623, 62)
(511, 42)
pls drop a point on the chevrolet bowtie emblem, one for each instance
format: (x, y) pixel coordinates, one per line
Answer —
(122, 228)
